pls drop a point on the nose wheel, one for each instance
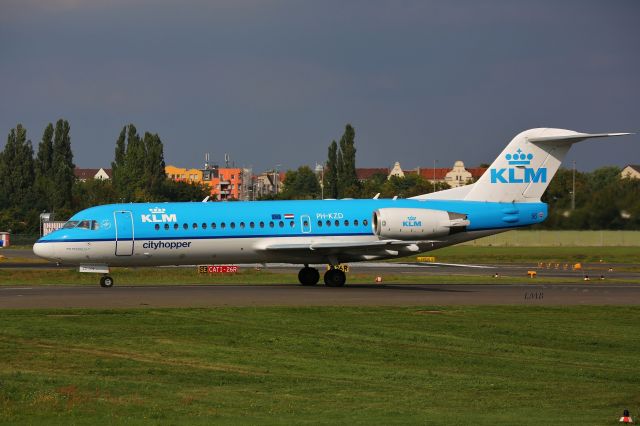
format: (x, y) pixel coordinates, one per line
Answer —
(106, 281)
(335, 278)
(308, 276)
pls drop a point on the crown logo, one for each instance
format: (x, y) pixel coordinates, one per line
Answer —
(157, 210)
(411, 218)
(519, 158)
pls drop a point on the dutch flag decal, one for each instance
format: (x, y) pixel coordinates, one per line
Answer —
(289, 216)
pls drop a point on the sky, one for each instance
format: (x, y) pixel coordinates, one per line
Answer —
(272, 83)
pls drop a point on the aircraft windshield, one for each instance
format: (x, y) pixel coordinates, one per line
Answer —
(82, 224)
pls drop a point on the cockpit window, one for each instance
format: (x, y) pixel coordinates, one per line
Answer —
(70, 224)
(84, 224)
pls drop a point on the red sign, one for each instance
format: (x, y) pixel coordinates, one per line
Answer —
(218, 269)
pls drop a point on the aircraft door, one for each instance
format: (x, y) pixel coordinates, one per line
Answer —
(305, 224)
(124, 233)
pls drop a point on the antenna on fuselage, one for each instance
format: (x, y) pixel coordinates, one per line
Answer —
(375, 197)
(206, 199)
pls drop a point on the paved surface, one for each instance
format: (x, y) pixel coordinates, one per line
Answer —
(294, 295)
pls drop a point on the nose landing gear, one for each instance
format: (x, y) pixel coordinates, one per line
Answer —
(106, 281)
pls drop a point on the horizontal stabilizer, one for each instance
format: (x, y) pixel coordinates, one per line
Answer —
(573, 138)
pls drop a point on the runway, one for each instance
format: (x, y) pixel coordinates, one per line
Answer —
(295, 295)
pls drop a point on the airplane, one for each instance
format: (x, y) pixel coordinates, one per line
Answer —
(507, 196)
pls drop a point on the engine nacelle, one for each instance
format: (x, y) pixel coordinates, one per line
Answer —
(416, 224)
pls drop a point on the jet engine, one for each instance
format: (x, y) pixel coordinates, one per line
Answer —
(417, 224)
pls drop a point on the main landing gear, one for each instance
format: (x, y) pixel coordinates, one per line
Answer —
(332, 278)
(106, 281)
(335, 277)
(308, 276)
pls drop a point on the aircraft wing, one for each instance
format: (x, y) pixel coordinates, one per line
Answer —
(347, 246)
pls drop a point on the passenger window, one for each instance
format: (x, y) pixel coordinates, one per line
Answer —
(337, 222)
(365, 222)
(213, 225)
(166, 226)
(355, 222)
(281, 224)
(271, 225)
(175, 226)
(223, 225)
(328, 223)
(252, 225)
(157, 227)
(261, 224)
(185, 226)
(195, 225)
(241, 225)
(233, 225)
(204, 225)
(305, 223)
(292, 224)
(320, 224)
(346, 223)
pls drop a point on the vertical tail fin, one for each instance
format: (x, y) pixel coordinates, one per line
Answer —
(525, 167)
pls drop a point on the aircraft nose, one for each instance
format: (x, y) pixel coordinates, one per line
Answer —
(45, 250)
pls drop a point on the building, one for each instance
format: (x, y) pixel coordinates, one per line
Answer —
(180, 174)
(268, 183)
(364, 174)
(85, 174)
(224, 183)
(631, 172)
(456, 176)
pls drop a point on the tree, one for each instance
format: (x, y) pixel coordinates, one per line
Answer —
(301, 184)
(341, 177)
(347, 178)
(139, 167)
(44, 158)
(118, 165)
(44, 170)
(17, 171)
(62, 168)
(154, 174)
(331, 174)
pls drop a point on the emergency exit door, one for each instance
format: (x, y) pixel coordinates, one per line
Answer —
(124, 233)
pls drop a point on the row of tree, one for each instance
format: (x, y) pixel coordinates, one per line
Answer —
(31, 184)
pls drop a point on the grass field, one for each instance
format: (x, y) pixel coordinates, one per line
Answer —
(533, 255)
(422, 365)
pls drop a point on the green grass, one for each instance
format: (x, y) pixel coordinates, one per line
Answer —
(533, 255)
(172, 276)
(423, 365)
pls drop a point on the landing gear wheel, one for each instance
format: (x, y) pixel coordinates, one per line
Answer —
(308, 276)
(106, 281)
(335, 278)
